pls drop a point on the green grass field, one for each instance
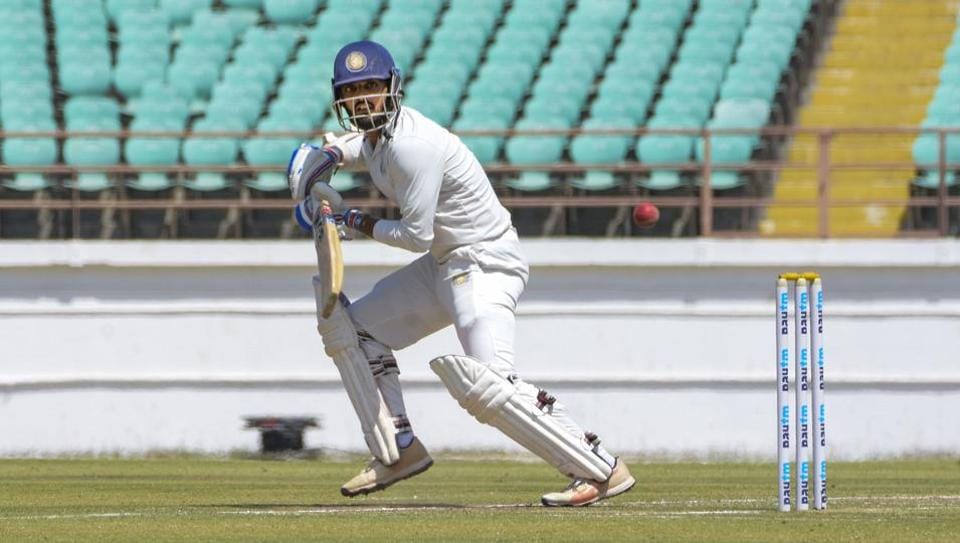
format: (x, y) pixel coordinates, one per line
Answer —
(206, 499)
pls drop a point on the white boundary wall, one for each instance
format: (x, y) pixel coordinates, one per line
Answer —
(661, 347)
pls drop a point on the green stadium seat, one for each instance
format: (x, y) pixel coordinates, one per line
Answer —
(757, 51)
(638, 57)
(659, 17)
(695, 111)
(728, 36)
(497, 109)
(507, 50)
(181, 11)
(25, 109)
(707, 72)
(720, 53)
(721, 19)
(531, 182)
(770, 33)
(148, 53)
(290, 12)
(612, 108)
(29, 151)
(430, 78)
(724, 180)
(735, 88)
(312, 110)
(441, 111)
(601, 149)
(474, 7)
(194, 77)
(930, 179)
(926, 149)
(410, 5)
(726, 5)
(536, 149)
(244, 4)
(481, 23)
(656, 149)
(486, 148)
(726, 149)
(209, 151)
(661, 180)
(567, 109)
(85, 78)
(594, 180)
(27, 182)
(266, 151)
(13, 54)
(745, 112)
(105, 123)
(219, 35)
(115, 8)
(285, 37)
(151, 152)
(86, 151)
(69, 37)
(664, 149)
(129, 77)
(638, 89)
(587, 55)
(255, 79)
(779, 16)
(690, 89)
(174, 110)
(238, 90)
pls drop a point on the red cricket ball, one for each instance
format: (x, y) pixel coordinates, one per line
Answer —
(645, 215)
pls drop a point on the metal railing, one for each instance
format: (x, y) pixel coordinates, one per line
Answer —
(701, 195)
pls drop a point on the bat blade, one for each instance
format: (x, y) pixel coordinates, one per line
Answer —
(329, 258)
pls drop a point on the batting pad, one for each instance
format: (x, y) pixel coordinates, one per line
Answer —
(341, 343)
(494, 400)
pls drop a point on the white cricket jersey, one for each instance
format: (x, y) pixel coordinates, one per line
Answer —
(444, 196)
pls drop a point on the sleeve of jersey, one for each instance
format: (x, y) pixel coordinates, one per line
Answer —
(349, 147)
(416, 171)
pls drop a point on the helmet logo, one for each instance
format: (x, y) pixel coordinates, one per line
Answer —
(356, 61)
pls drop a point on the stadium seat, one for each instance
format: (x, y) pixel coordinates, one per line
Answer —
(601, 149)
(531, 182)
(536, 149)
(486, 148)
(92, 77)
(181, 11)
(271, 151)
(210, 151)
(88, 151)
(151, 152)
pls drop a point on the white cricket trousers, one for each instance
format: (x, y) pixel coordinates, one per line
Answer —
(475, 288)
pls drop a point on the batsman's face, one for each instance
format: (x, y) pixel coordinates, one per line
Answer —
(365, 100)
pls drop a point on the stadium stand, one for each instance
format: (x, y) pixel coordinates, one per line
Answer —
(867, 79)
(171, 70)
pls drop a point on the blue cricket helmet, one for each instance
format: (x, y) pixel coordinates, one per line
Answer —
(361, 61)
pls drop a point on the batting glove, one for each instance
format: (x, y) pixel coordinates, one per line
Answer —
(308, 165)
(352, 218)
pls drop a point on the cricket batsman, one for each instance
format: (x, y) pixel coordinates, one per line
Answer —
(470, 274)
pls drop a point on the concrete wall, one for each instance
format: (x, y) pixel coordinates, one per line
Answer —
(661, 347)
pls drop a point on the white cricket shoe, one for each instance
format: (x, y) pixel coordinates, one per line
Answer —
(586, 491)
(376, 476)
